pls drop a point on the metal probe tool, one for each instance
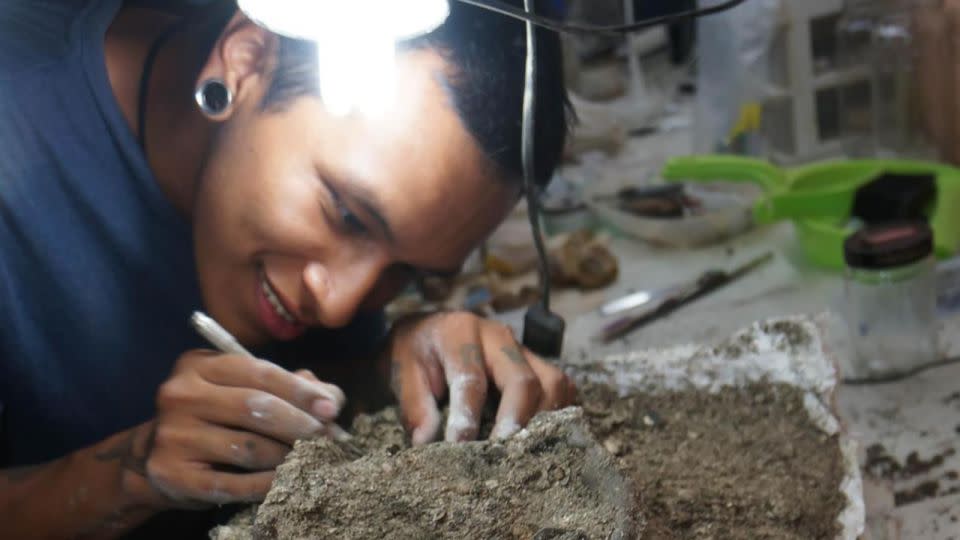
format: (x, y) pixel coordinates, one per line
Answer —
(679, 296)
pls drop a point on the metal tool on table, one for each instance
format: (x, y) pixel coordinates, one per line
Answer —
(645, 307)
(639, 299)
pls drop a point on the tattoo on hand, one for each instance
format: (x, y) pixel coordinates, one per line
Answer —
(515, 355)
(128, 455)
(472, 354)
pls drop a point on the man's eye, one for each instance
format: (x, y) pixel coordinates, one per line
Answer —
(351, 223)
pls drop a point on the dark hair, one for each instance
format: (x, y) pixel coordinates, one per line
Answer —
(487, 54)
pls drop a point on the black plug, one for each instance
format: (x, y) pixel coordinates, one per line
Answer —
(895, 197)
(543, 331)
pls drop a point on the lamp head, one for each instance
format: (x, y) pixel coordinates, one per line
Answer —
(356, 42)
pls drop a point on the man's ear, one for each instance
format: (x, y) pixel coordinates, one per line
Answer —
(242, 57)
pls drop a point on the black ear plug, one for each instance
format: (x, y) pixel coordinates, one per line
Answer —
(543, 332)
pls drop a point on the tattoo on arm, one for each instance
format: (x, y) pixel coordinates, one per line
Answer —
(515, 355)
(472, 354)
(128, 455)
(118, 520)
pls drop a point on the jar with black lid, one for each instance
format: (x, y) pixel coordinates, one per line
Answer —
(891, 298)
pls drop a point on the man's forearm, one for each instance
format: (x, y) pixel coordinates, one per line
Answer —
(98, 492)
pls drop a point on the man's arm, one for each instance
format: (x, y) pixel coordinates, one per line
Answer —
(98, 492)
(223, 424)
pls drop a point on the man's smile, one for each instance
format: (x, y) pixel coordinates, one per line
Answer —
(274, 312)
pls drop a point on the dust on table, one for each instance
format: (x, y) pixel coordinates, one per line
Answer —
(880, 464)
(739, 464)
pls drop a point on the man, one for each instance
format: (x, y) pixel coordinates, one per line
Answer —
(155, 163)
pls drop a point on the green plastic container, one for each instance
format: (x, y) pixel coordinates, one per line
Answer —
(819, 197)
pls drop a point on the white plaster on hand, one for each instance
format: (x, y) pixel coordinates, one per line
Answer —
(427, 431)
(505, 428)
(462, 424)
(260, 406)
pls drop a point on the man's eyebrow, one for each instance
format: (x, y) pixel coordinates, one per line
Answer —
(365, 198)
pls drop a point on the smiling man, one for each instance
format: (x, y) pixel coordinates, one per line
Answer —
(156, 162)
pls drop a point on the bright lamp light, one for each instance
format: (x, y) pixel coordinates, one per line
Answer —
(356, 42)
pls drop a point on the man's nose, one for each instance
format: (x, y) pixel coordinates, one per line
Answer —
(339, 290)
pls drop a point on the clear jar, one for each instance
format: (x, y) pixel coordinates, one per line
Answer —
(854, 38)
(855, 32)
(896, 116)
(891, 299)
(881, 111)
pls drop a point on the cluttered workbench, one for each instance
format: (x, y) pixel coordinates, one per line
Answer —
(907, 429)
(762, 351)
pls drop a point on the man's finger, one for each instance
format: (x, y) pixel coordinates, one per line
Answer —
(467, 379)
(558, 390)
(258, 412)
(306, 374)
(236, 448)
(572, 392)
(213, 487)
(519, 386)
(323, 401)
(418, 406)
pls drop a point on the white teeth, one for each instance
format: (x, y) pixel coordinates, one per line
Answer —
(275, 302)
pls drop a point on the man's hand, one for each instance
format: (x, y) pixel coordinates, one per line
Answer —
(224, 423)
(465, 354)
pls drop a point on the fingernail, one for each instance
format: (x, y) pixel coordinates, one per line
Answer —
(506, 428)
(338, 434)
(461, 427)
(421, 436)
(324, 409)
(332, 393)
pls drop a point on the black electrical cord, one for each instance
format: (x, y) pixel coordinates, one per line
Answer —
(543, 331)
(583, 28)
(528, 158)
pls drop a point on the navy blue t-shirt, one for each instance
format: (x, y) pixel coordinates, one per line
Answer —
(97, 277)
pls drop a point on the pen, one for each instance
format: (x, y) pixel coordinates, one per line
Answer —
(226, 343)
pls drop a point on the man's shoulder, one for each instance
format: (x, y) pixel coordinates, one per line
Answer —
(35, 32)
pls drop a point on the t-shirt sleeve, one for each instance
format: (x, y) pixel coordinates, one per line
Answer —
(4, 366)
(3, 435)
(35, 32)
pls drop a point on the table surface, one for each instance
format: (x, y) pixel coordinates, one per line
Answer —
(919, 415)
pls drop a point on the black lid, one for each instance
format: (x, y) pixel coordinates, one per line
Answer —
(891, 245)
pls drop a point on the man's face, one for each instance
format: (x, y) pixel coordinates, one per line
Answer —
(301, 218)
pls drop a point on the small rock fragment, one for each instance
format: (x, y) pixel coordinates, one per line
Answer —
(614, 446)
